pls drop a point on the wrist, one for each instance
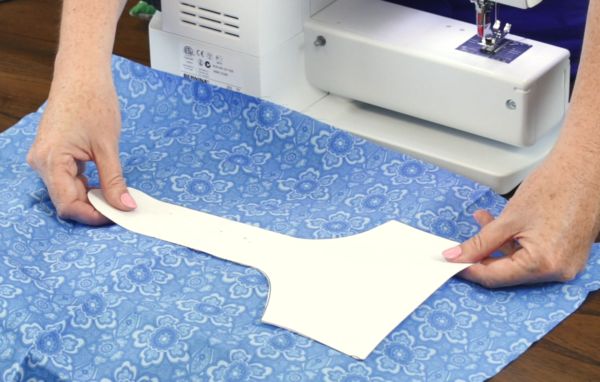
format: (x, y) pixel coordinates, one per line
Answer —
(79, 76)
(574, 163)
(70, 64)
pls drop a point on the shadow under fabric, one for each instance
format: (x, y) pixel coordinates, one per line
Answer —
(403, 266)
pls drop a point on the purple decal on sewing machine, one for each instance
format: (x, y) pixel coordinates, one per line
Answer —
(507, 51)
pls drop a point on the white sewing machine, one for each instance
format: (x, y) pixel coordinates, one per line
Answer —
(473, 99)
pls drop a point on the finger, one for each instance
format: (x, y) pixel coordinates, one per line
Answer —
(490, 238)
(84, 180)
(80, 167)
(69, 194)
(83, 212)
(506, 271)
(112, 182)
(483, 218)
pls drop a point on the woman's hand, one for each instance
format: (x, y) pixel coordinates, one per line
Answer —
(82, 120)
(545, 232)
(81, 123)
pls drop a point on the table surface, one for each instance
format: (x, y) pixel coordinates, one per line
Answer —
(28, 41)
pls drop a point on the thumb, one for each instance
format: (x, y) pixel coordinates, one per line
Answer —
(492, 237)
(112, 182)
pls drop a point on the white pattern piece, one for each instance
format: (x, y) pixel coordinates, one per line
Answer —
(393, 262)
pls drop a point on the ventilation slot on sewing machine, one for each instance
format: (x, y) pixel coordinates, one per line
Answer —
(209, 19)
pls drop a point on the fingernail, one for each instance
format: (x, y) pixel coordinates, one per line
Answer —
(452, 253)
(128, 201)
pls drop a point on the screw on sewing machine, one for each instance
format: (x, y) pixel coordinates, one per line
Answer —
(511, 104)
(320, 41)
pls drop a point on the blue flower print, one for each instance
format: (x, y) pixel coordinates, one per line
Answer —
(165, 339)
(309, 184)
(339, 224)
(293, 373)
(77, 254)
(108, 349)
(128, 372)
(280, 343)
(180, 131)
(31, 274)
(7, 344)
(7, 291)
(50, 285)
(399, 354)
(4, 142)
(575, 292)
(241, 157)
(476, 298)
(229, 132)
(255, 188)
(128, 69)
(195, 369)
(195, 91)
(377, 198)
(360, 178)
(408, 170)
(133, 112)
(338, 147)
(203, 109)
(211, 309)
(246, 284)
(460, 359)
(164, 108)
(28, 250)
(445, 222)
(292, 156)
(476, 197)
(200, 186)
(138, 87)
(273, 207)
(21, 220)
(140, 158)
(284, 227)
(504, 356)
(268, 119)
(442, 320)
(15, 373)
(355, 372)
(541, 297)
(94, 307)
(140, 77)
(173, 255)
(111, 233)
(51, 344)
(542, 325)
(141, 276)
(238, 368)
(45, 305)
(205, 98)
(7, 195)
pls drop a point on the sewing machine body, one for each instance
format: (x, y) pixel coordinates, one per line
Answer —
(380, 70)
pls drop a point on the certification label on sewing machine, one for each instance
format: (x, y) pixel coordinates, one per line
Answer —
(212, 65)
(507, 52)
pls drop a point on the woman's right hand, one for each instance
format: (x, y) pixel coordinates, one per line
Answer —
(81, 123)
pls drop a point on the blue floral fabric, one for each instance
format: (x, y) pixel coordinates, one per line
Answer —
(104, 304)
